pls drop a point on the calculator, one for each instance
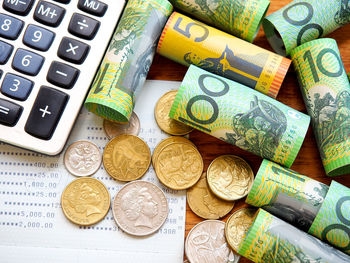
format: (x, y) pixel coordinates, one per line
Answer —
(49, 54)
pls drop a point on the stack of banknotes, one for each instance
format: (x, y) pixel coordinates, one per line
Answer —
(229, 92)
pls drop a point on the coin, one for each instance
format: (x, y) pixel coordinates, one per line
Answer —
(179, 165)
(204, 203)
(237, 226)
(230, 177)
(126, 157)
(140, 208)
(85, 201)
(165, 142)
(113, 129)
(206, 243)
(82, 158)
(161, 113)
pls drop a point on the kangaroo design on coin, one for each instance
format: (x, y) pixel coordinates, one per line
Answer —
(82, 158)
(237, 226)
(230, 177)
(126, 158)
(140, 208)
(206, 243)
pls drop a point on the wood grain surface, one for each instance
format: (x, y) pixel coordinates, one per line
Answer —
(308, 161)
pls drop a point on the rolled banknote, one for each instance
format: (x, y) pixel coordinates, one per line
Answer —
(240, 116)
(309, 205)
(188, 41)
(303, 20)
(326, 92)
(241, 18)
(349, 76)
(271, 240)
(292, 197)
(332, 223)
(128, 58)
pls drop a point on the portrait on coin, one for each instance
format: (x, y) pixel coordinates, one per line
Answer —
(85, 200)
(139, 205)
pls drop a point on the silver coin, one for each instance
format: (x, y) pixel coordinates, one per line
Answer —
(206, 242)
(82, 158)
(140, 208)
(113, 129)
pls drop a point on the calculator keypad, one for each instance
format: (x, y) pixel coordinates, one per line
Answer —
(49, 54)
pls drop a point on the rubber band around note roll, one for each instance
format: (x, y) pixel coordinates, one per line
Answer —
(241, 18)
(188, 41)
(126, 63)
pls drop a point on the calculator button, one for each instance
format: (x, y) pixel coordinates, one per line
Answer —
(19, 7)
(10, 27)
(1, 73)
(83, 26)
(63, 1)
(73, 50)
(5, 52)
(16, 87)
(27, 62)
(38, 38)
(9, 112)
(93, 7)
(46, 112)
(49, 14)
(62, 75)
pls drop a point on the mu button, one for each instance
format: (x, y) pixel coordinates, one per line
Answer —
(46, 112)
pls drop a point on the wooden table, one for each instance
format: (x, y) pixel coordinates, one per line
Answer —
(308, 161)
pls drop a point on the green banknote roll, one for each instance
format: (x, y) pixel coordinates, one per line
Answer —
(240, 116)
(286, 194)
(241, 18)
(128, 58)
(303, 20)
(271, 240)
(332, 223)
(326, 92)
(349, 76)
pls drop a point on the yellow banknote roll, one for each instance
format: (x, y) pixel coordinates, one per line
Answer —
(188, 41)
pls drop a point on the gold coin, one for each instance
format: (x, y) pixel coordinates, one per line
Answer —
(165, 123)
(204, 203)
(230, 177)
(113, 129)
(179, 165)
(165, 142)
(126, 158)
(237, 226)
(85, 201)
